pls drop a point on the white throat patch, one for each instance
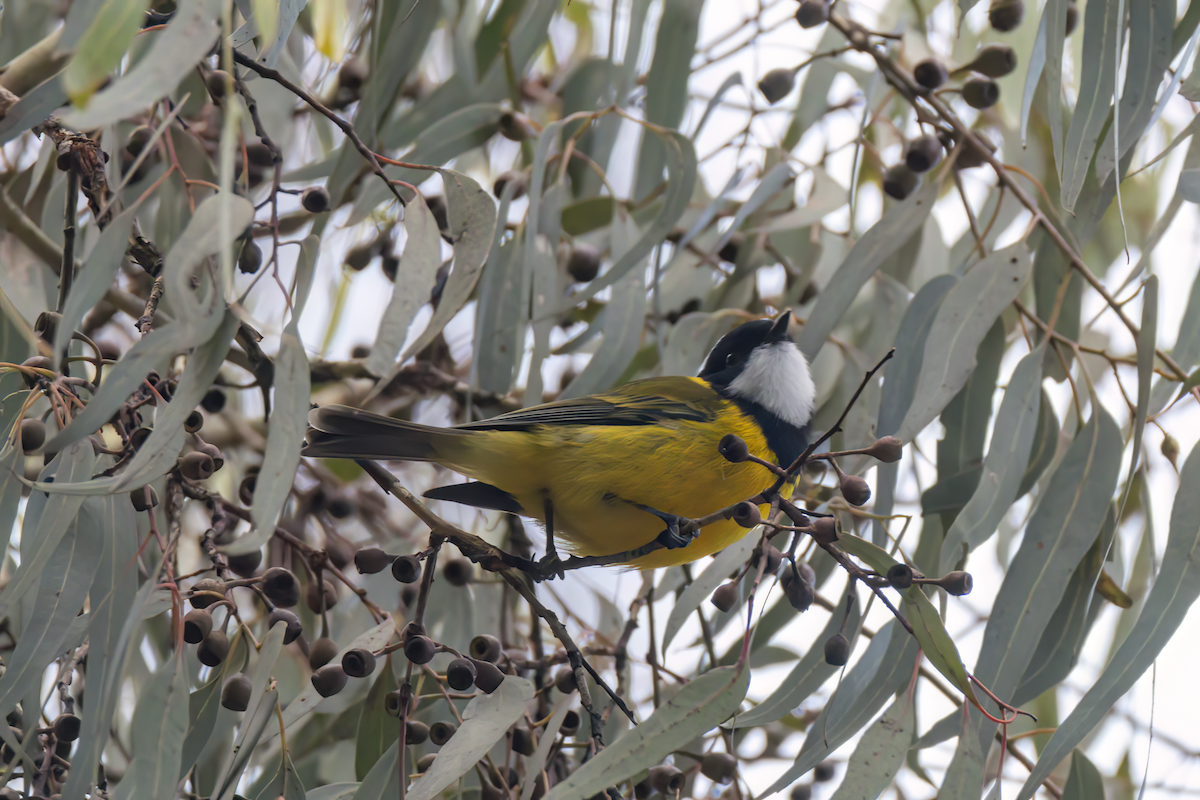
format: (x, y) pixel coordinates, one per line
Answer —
(777, 377)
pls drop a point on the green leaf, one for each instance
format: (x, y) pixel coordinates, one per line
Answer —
(63, 585)
(667, 85)
(885, 666)
(1147, 338)
(414, 282)
(500, 323)
(700, 706)
(537, 762)
(259, 712)
(289, 418)
(880, 752)
(716, 573)
(963, 320)
(1045, 445)
(46, 522)
(900, 223)
(102, 47)
(94, 278)
(936, 643)
(1175, 590)
(472, 225)
(376, 728)
(808, 674)
(160, 723)
(1151, 23)
(188, 38)
(204, 705)
(1103, 29)
(622, 321)
(964, 777)
(1085, 781)
(284, 783)
(1004, 467)
(383, 781)
(485, 720)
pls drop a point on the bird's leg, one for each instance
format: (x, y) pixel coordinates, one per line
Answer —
(550, 565)
(680, 531)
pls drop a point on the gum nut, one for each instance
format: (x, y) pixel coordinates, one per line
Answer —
(824, 530)
(67, 727)
(719, 767)
(930, 73)
(245, 564)
(855, 489)
(202, 592)
(250, 258)
(746, 514)
(460, 674)
(197, 624)
(358, 663)
(419, 649)
(140, 500)
(406, 569)
(315, 199)
(812, 13)
(733, 448)
(196, 466)
(1006, 15)
(888, 450)
(564, 680)
(666, 779)
(235, 692)
(458, 572)
(485, 648)
(370, 560)
(281, 587)
(777, 84)
(923, 154)
(995, 60)
(292, 626)
(213, 649)
(320, 597)
(980, 93)
(440, 732)
(957, 583)
(726, 596)
(321, 652)
(488, 676)
(583, 264)
(33, 434)
(837, 650)
(900, 576)
(899, 181)
(329, 680)
(415, 731)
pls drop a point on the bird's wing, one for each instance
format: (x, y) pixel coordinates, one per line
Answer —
(645, 402)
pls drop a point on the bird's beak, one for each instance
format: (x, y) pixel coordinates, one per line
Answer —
(779, 331)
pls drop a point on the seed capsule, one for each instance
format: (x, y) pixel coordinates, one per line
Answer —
(245, 564)
(812, 13)
(726, 596)
(33, 434)
(393, 705)
(329, 680)
(197, 624)
(583, 264)
(1072, 17)
(522, 741)
(719, 767)
(899, 181)
(570, 723)
(460, 674)
(320, 596)
(425, 762)
(971, 154)
(666, 779)
(488, 676)
(778, 83)
(930, 73)
(824, 772)
(924, 152)
(957, 583)
(888, 450)
(406, 569)
(370, 560)
(746, 514)
(734, 448)
(419, 649)
(196, 466)
(564, 680)
(458, 572)
(837, 650)
(515, 126)
(235, 692)
(774, 559)
(900, 576)
(214, 401)
(353, 73)
(281, 587)
(315, 199)
(440, 732)
(1006, 15)
(994, 61)
(213, 649)
(517, 179)
(250, 258)
(201, 598)
(358, 663)
(415, 731)
(485, 648)
(218, 82)
(797, 590)
(140, 500)
(67, 727)
(856, 490)
(980, 93)
(321, 652)
(824, 530)
(293, 628)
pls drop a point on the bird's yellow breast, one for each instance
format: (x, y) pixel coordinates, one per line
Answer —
(592, 474)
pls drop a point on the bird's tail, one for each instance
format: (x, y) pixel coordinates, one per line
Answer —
(343, 432)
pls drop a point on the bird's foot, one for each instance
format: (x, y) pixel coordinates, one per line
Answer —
(547, 567)
(680, 532)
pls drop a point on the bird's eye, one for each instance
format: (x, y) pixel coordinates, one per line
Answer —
(731, 359)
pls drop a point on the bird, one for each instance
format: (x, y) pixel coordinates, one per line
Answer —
(612, 472)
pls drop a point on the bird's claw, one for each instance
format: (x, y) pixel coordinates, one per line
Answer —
(676, 536)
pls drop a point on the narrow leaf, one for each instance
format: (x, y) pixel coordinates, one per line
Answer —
(880, 752)
(963, 320)
(160, 723)
(485, 720)
(700, 706)
(1173, 593)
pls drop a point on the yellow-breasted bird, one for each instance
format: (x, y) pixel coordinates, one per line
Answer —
(614, 469)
